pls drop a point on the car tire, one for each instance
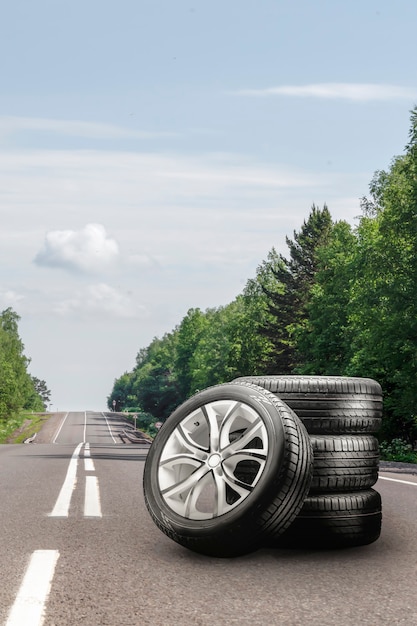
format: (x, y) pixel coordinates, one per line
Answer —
(328, 405)
(335, 521)
(344, 462)
(231, 466)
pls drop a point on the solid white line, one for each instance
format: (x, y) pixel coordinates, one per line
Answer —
(59, 429)
(108, 426)
(89, 465)
(396, 480)
(29, 606)
(92, 507)
(62, 504)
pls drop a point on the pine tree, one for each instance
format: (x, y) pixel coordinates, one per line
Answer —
(294, 277)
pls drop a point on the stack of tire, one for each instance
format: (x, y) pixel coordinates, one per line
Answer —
(342, 416)
(283, 461)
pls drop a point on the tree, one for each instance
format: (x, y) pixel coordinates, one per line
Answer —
(41, 391)
(9, 389)
(294, 277)
(257, 347)
(189, 334)
(323, 339)
(121, 394)
(218, 348)
(17, 387)
(384, 298)
(38, 396)
(154, 383)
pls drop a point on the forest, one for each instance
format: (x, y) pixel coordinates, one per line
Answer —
(19, 390)
(342, 301)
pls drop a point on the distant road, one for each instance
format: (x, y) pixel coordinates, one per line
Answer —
(72, 518)
(96, 428)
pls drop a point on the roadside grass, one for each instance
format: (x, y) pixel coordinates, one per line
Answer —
(145, 422)
(397, 450)
(21, 427)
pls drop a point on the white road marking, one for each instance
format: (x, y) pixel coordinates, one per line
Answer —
(62, 504)
(108, 426)
(92, 506)
(29, 606)
(59, 429)
(89, 465)
(396, 480)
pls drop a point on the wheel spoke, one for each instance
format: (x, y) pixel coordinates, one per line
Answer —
(228, 421)
(247, 455)
(213, 426)
(191, 508)
(230, 414)
(205, 470)
(181, 458)
(185, 440)
(255, 430)
(235, 466)
(243, 489)
(187, 484)
(220, 498)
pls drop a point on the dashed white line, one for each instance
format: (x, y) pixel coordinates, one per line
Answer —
(88, 462)
(89, 465)
(29, 606)
(62, 504)
(92, 506)
(397, 480)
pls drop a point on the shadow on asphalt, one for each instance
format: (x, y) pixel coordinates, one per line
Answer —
(108, 456)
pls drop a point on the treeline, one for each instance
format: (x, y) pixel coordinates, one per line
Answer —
(19, 390)
(343, 302)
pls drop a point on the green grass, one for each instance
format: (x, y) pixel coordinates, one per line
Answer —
(397, 450)
(144, 422)
(21, 427)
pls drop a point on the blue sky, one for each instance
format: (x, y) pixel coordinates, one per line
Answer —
(153, 152)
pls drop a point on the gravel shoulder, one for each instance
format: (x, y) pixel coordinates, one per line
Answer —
(49, 428)
(398, 468)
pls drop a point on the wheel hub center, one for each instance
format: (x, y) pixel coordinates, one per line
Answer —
(214, 460)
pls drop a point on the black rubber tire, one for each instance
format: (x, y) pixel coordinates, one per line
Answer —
(335, 521)
(328, 405)
(344, 462)
(273, 502)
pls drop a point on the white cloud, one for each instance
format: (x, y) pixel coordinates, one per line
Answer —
(142, 260)
(102, 300)
(359, 92)
(164, 209)
(10, 125)
(86, 177)
(10, 298)
(86, 250)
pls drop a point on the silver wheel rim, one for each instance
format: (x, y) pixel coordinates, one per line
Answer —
(213, 459)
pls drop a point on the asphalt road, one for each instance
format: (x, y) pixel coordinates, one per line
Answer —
(77, 541)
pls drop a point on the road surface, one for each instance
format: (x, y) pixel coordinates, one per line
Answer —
(78, 544)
